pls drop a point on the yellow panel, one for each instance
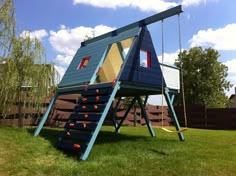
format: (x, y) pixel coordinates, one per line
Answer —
(127, 43)
(111, 66)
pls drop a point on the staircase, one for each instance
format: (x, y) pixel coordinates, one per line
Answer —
(86, 120)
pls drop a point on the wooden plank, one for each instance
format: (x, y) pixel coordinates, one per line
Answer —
(85, 117)
(144, 22)
(90, 108)
(81, 126)
(77, 136)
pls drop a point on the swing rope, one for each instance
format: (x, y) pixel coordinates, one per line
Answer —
(181, 73)
(162, 81)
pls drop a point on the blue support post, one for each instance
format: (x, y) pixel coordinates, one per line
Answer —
(121, 50)
(173, 115)
(114, 113)
(45, 116)
(172, 98)
(126, 113)
(146, 117)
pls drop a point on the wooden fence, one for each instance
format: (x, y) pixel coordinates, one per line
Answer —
(208, 118)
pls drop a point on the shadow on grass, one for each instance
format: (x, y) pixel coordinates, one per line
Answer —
(52, 134)
(104, 137)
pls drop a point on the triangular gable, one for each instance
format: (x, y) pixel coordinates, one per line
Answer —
(133, 71)
(96, 51)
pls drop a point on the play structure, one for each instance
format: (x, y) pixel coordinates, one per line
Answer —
(121, 63)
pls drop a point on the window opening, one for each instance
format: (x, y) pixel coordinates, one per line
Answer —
(84, 63)
(145, 59)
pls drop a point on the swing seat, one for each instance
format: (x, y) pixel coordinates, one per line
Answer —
(170, 131)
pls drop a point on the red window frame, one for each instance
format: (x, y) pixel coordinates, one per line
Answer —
(83, 63)
(148, 58)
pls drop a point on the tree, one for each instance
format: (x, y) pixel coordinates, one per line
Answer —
(21, 67)
(204, 77)
(7, 26)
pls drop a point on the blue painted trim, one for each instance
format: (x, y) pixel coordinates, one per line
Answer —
(114, 113)
(126, 113)
(172, 98)
(127, 56)
(173, 115)
(84, 156)
(94, 77)
(149, 125)
(45, 116)
(144, 22)
(121, 50)
(145, 101)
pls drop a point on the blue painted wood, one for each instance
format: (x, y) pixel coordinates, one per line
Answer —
(114, 113)
(97, 51)
(172, 98)
(148, 122)
(75, 135)
(173, 115)
(98, 91)
(81, 126)
(121, 50)
(146, 21)
(90, 108)
(88, 117)
(99, 125)
(126, 113)
(45, 116)
(70, 146)
(133, 72)
(95, 99)
(95, 75)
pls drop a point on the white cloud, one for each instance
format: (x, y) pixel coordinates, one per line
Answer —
(220, 39)
(61, 71)
(66, 42)
(196, 2)
(39, 34)
(169, 58)
(231, 64)
(64, 60)
(143, 5)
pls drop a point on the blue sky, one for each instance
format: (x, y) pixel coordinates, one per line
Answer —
(61, 25)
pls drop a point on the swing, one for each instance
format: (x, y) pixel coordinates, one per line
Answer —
(181, 77)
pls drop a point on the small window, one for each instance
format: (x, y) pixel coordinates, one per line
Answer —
(83, 63)
(145, 59)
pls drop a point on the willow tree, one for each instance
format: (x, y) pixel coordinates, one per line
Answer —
(7, 26)
(25, 78)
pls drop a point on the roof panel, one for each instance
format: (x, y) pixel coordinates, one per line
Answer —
(95, 50)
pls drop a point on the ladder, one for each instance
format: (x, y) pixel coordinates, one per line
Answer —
(85, 122)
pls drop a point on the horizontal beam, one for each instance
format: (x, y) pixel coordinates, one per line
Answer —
(144, 22)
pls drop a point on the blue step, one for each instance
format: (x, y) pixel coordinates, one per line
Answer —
(90, 108)
(75, 135)
(98, 91)
(85, 117)
(81, 126)
(94, 99)
(74, 146)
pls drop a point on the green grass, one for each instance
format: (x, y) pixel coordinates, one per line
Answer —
(133, 152)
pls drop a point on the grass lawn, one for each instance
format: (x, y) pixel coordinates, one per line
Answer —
(132, 152)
